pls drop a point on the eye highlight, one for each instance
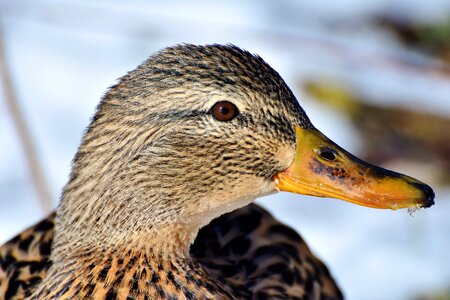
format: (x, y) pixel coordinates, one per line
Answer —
(224, 111)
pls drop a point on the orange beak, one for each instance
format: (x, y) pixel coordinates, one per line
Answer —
(323, 169)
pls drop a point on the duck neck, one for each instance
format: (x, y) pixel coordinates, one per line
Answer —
(114, 243)
(133, 273)
(148, 231)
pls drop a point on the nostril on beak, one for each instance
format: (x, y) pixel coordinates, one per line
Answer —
(327, 154)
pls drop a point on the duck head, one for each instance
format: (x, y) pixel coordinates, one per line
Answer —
(195, 132)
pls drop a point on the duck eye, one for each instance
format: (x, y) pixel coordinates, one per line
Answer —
(224, 111)
(327, 154)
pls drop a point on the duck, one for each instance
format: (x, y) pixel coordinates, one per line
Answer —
(159, 201)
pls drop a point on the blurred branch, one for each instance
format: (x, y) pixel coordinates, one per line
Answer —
(23, 132)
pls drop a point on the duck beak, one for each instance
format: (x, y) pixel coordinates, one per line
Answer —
(322, 168)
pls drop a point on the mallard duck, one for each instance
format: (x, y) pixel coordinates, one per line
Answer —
(176, 152)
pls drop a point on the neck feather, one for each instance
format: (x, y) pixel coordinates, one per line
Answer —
(128, 273)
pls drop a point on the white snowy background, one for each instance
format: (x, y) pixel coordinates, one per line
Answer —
(63, 55)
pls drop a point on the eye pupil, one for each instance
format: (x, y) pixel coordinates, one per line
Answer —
(327, 154)
(224, 111)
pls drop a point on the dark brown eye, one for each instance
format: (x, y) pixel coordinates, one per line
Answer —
(224, 111)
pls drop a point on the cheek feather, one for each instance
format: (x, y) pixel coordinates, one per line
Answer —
(285, 155)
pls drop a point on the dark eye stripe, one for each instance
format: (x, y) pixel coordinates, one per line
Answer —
(277, 126)
(176, 114)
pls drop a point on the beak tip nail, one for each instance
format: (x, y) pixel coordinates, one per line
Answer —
(428, 194)
(429, 198)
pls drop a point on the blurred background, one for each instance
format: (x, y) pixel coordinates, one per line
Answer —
(372, 75)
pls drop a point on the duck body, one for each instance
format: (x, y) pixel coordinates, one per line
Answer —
(187, 141)
(247, 251)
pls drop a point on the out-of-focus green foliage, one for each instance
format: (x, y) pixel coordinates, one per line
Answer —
(440, 295)
(431, 38)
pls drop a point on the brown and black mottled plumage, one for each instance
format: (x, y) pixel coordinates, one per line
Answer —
(153, 168)
(248, 247)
